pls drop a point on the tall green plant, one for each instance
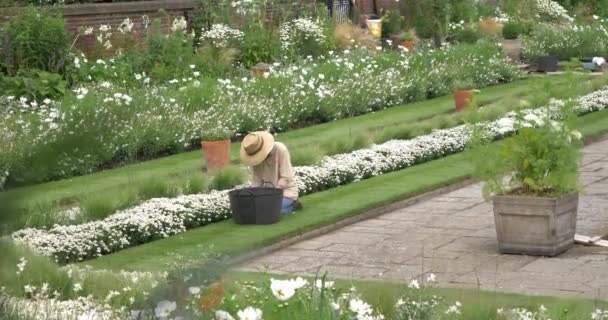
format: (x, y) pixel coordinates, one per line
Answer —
(541, 160)
(36, 40)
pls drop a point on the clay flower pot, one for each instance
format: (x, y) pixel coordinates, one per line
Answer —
(217, 154)
(409, 45)
(462, 99)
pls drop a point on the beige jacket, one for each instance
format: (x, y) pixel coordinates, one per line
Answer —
(276, 171)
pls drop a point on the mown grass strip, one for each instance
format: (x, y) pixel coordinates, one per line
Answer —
(321, 209)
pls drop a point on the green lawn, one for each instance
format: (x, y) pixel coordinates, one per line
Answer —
(120, 187)
(321, 209)
(476, 304)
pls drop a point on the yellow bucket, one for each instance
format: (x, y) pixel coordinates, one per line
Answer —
(375, 27)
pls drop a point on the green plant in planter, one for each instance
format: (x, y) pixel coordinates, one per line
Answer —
(464, 84)
(467, 35)
(540, 160)
(409, 35)
(511, 30)
(392, 23)
(216, 134)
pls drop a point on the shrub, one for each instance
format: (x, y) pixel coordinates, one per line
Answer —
(467, 35)
(566, 41)
(392, 23)
(303, 37)
(36, 40)
(260, 44)
(511, 30)
(35, 86)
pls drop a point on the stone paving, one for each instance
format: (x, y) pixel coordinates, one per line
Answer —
(453, 236)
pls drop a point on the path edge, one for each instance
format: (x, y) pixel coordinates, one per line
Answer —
(365, 215)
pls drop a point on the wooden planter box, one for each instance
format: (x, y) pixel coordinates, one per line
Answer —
(535, 225)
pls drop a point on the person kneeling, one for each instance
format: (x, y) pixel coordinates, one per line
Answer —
(270, 165)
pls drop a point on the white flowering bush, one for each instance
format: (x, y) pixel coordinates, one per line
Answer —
(108, 121)
(163, 217)
(221, 36)
(567, 40)
(304, 36)
(551, 10)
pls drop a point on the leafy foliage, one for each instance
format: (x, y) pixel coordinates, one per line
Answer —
(542, 159)
(36, 39)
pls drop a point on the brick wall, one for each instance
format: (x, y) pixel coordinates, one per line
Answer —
(96, 14)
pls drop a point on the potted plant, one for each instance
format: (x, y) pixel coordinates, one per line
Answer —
(532, 179)
(464, 94)
(392, 22)
(511, 44)
(216, 148)
(407, 40)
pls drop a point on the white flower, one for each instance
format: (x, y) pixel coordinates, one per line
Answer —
(298, 282)
(126, 26)
(221, 35)
(164, 308)
(454, 309)
(194, 290)
(21, 265)
(282, 289)
(576, 135)
(223, 315)
(105, 84)
(250, 313)
(77, 287)
(88, 31)
(192, 66)
(105, 28)
(89, 315)
(266, 74)
(359, 307)
(414, 284)
(431, 277)
(324, 285)
(179, 24)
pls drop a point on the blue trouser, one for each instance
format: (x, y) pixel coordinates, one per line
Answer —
(287, 206)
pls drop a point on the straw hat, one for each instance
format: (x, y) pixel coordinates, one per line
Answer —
(256, 147)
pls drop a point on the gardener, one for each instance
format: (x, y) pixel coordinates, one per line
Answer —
(270, 165)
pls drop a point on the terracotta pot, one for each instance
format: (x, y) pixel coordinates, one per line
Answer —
(535, 225)
(409, 45)
(512, 48)
(462, 99)
(217, 154)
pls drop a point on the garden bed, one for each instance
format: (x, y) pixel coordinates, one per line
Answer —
(164, 217)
